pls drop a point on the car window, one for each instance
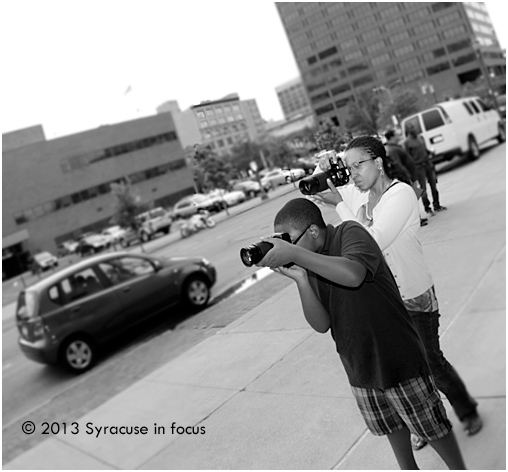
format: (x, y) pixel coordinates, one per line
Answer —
(81, 284)
(432, 119)
(468, 107)
(475, 106)
(124, 269)
(415, 122)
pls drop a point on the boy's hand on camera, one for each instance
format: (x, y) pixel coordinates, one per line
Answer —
(280, 254)
(295, 272)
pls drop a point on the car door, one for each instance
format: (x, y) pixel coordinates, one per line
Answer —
(439, 136)
(491, 119)
(142, 288)
(480, 129)
(83, 303)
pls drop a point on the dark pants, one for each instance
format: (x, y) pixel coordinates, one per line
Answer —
(426, 173)
(445, 376)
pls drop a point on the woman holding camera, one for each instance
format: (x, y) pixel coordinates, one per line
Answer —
(388, 208)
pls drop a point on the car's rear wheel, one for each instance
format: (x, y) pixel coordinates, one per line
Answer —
(252, 194)
(78, 354)
(145, 237)
(196, 292)
(473, 150)
(501, 137)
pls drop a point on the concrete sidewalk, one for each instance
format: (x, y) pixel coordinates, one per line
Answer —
(267, 392)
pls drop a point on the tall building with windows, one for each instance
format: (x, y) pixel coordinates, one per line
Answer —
(219, 123)
(57, 189)
(293, 99)
(434, 48)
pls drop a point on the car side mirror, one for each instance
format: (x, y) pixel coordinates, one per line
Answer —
(157, 266)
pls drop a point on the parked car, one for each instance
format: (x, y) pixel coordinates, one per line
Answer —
(308, 164)
(154, 221)
(456, 127)
(91, 243)
(65, 317)
(277, 177)
(113, 234)
(129, 237)
(234, 197)
(249, 187)
(212, 202)
(187, 206)
(44, 261)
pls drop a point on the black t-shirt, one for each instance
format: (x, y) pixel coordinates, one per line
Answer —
(375, 337)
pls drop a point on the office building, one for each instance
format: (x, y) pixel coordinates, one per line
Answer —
(293, 99)
(219, 123)
(434, 48)
(55, 190)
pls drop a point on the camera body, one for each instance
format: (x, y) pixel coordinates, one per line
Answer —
(337, 173)
(253, 254)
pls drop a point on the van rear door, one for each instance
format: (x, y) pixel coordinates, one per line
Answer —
(439, 135)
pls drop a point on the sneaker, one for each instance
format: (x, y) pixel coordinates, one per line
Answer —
(440, 208)
(429, 212)
(424, 221)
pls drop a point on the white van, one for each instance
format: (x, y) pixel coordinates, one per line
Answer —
(457, 127)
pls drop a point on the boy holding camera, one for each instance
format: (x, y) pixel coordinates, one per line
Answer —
(346, 286)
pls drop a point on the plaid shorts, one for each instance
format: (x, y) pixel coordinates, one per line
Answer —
(414, 403)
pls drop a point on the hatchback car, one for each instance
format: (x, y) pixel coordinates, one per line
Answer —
(67, 316)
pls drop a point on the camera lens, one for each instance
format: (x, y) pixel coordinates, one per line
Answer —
(252, 254)
(314, 184)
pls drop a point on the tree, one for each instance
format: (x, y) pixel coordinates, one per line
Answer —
(327, 137)
(126, 206)
(212, 171)
(404, 102)
(364, 113)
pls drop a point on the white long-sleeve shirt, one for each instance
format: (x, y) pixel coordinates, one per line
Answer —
(394, 225)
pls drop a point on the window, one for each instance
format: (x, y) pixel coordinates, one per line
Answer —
(449, 18)
(432, 119)
(80, 284)
(464, 59)
(220, 143)
(424, 28)
(441, 6)
(352, 56)
(349, 43)
(438, 68)
(408, 64)
(54, 295)
(320, 97)
(375, 46)
(209, 112)
(340, 89)
(219, 111)
(363, 80)
(449, 33)
(126, 268)
(200, 114)
(360, 67)
(390, 11)
(327, 52)
(403, 50)
(380, 59)
(428, 41)
(391, 25)
(397, 38)
(416, 124)
(475, 107)
(325, 109)
(373, 33)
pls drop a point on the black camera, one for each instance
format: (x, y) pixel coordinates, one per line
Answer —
(252, 254)
(316, 183)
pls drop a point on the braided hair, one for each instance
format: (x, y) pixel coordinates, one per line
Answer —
(375, 148)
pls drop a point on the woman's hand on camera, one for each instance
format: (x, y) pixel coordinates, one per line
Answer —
(332, 198)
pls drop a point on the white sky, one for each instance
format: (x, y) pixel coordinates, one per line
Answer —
(68, 63)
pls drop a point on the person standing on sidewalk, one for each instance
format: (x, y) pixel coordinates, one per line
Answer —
(415, 146)
(388, 209)
(346, 286)
(399, 157)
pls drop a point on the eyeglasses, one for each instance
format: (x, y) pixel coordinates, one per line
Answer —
(355, 166)
(300, 237)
